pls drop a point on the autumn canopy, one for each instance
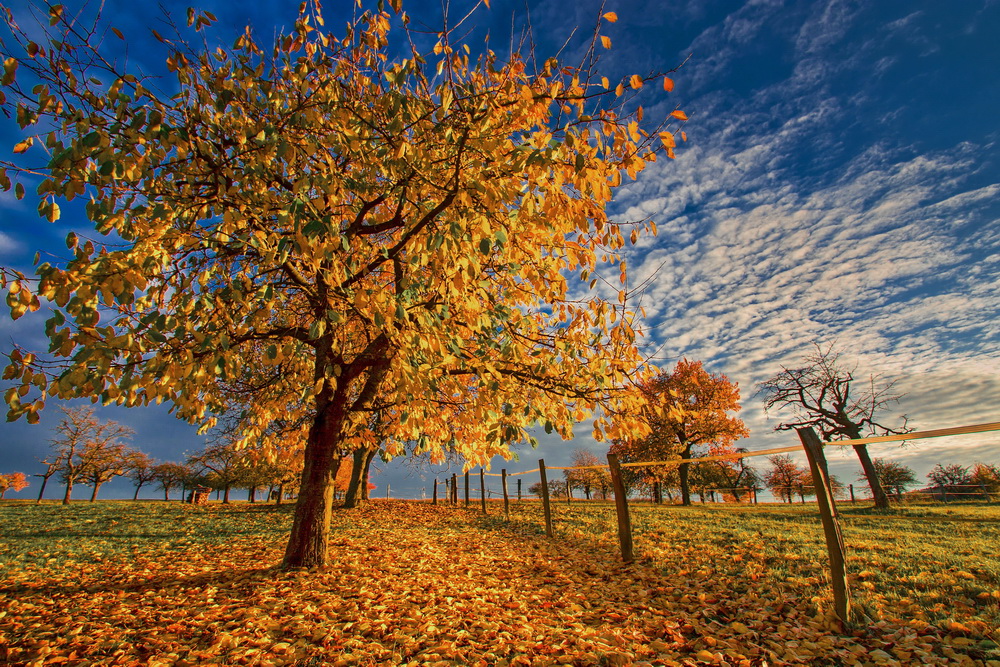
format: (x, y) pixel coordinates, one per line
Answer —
(395, 233)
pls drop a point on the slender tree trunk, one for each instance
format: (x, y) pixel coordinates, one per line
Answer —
(41, 491)
(93, 496)
(166, 493)
(368, 464)
(225, 497)
(136, 496)
(878, 493)
(354, 497)
(281, 493)
(253, 494)
(69, 491)
(682, 472)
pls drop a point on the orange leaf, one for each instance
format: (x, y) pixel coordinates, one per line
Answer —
(636, 82)
(677, 113)
(611, 17)
(605, 42)
(668, 84)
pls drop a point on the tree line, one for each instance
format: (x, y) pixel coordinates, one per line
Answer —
(89, 451)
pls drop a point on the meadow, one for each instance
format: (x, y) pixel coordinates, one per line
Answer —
(155, 583)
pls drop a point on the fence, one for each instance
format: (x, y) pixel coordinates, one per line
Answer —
(821, 488)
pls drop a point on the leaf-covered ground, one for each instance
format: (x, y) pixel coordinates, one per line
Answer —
(170, 584)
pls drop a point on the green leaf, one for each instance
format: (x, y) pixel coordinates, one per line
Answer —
(485, 246)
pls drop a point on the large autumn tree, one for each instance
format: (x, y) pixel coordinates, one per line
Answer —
(685, 411)
(828, 394)
(384, 222)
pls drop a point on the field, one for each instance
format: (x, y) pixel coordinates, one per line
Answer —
(153, 583)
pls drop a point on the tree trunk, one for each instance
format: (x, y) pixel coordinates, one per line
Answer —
(225, 497)
(878, 494)
(253, 494)
(166, 493)
(682, 472)
(93, 496)
(354, 497)
(368, 464)
(136, 496)
(281, 493)
(45, 480)
(69, 491)
(308, 542)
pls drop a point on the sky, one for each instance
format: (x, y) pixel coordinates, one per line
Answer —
(839, 185)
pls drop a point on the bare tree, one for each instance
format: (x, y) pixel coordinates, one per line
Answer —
(88, 449)
(825, 394)
(52, 466)
(141, 468)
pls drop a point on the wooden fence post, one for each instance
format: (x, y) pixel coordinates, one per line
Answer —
(518, 489)
(466, 488)
(545, 497)
(454, 488)
(621, 509)
(506, 499)
(434, 500)
(831, 524)
(482, 489)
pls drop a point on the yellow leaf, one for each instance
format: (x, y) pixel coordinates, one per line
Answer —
(610, 17)
(668, 84)
(605, 42)
(635, 81)
(605, 82)
(23, 146)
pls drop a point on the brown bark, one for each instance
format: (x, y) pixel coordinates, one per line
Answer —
(878, 493)
(354, 497)
(93, 495)
(69, 491)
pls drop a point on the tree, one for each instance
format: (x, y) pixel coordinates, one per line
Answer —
(686, 409)
(891, 475)
(824, 394)
(221, 464)
(14, 480)
(141, 468)
(385, 223)
(52, 466)
(785, 478)
(170, 475)
(736, 476)
(987, 476)
(557, 488)
(104, 458)
(88, 449)
(596, 478)
(951, 478)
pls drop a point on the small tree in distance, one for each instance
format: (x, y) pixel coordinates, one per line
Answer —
(785, 478)
(14, 480)
(892, 475)
(171, 475)
(951, 478)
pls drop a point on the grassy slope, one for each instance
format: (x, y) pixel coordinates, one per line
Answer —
(157, 583)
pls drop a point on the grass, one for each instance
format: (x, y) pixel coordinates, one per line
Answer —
(158, 583)
(936, 562)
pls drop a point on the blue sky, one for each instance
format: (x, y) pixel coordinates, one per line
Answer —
(840, 183)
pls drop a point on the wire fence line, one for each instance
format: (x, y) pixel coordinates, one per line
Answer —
(915, 435)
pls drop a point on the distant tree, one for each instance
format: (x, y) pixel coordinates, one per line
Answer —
(736, 476)
(685, 409)
(221, 465)
(557, 488)
(785, 478)
(986, 475)
(14, 480)
(891, 475)
(88, 449)
(590, 480)
(824, 394)
(952, 478)
(171, 475)
(52, 466)
(141, 469)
